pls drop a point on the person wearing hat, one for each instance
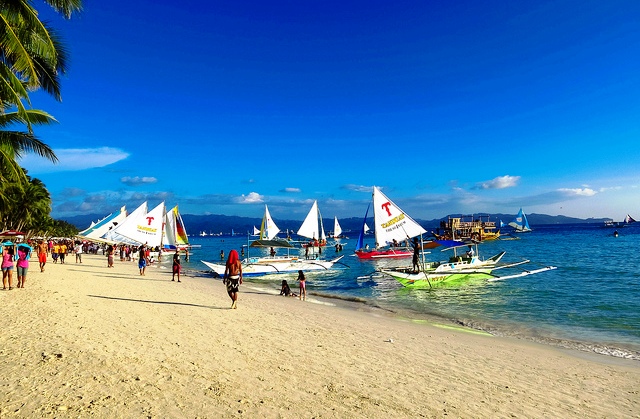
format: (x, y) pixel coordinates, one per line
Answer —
(7, 265)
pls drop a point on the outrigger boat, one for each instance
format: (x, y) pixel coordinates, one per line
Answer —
(392, 226)
(274, 264)
(457, 270)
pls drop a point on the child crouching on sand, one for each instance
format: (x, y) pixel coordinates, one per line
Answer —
(286, 290)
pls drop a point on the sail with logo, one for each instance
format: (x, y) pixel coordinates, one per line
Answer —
(392, 227)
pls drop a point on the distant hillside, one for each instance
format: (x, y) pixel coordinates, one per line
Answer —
(224, 224)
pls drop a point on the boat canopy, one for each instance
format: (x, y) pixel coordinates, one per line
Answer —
(270, 243)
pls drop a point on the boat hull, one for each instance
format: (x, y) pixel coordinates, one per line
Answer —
(266, 267)
(434, 279)
(388, 253)
(455, 272)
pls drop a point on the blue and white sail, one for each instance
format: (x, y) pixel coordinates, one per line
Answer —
(520, 223)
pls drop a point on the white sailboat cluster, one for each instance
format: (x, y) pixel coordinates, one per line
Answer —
(155, 228)
(279, 264)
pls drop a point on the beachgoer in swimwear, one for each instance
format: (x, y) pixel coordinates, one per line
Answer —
(286, 290)
(303, 285)
(233, 276)
(42, 254)
(176, 265)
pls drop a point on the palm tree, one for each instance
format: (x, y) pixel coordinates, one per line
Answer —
(32, 57)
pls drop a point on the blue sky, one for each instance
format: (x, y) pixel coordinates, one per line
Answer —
(449, 107)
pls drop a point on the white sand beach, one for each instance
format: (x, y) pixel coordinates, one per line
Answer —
(84, 340)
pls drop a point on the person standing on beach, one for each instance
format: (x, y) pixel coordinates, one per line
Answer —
(22, 265)
(7, 267)
(303, 285)
(43, 249)
(233, 276)
(176, 265)
(142, 260)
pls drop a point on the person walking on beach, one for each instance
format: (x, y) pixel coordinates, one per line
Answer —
(7, 267)
(142, 260)
(54, 252)
(43, 248)
(63, 252)
(303, 285)
(78, 250)
(22, 265)
(110, 252)
(233, 276)
(176, 265)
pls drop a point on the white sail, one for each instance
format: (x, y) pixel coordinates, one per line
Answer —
(309, 227)
(141, 227)
(110, 222)
(391, 222)
(337, 230)
(268, 229)
(120, 234)
(256, 232)
(366, 228)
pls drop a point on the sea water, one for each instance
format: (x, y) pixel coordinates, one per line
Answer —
(590, 302)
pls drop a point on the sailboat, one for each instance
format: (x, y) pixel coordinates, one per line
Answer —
(337, 230)
(391, 226)
(140, 227)
(274, 263)
(458, 270)
(175, 233)
(520, 223)
(312, 228)
(98, 229)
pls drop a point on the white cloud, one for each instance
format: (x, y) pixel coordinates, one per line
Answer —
(134, 181)
(73, 159)
(252, 198)
(357, 188)
(291, 190)
(501, 182)
(578, 191)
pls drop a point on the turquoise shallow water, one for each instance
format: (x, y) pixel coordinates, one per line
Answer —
(591, 302)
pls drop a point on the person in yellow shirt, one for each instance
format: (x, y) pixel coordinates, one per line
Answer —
(63, 251)
(55, 252)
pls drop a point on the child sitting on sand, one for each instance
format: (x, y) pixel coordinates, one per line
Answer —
(286, 290)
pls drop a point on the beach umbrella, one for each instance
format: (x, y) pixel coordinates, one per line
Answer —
(7, 243)
(11, 233)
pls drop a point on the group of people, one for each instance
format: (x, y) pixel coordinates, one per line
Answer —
(232, 279)
(286, 289)
(18, 256)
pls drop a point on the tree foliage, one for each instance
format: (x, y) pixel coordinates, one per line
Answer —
(32, 57)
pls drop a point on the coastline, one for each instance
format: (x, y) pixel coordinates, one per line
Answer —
(85, 339)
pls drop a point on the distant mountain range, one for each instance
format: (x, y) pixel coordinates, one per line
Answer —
(225, 224)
